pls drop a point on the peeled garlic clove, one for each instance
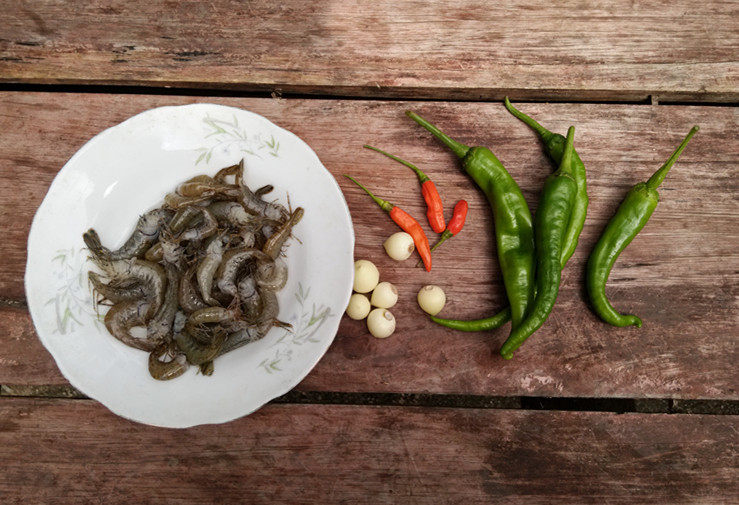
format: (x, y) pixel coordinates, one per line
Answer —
(431, 299)
(359, 307)
(385, 295)
(381, 323)
(399, 246)
(366, 276)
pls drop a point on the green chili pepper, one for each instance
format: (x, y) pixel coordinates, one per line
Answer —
(629, 219)
(550, 227)
(511, 216)
(555, 145)
(489, 323)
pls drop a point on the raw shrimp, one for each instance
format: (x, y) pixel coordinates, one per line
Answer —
(270, 308)
(182, 218)
(197, 321)
(150, 275)
(207, 227)
(194, 189)
(125, 315)
(160, 326)
(176, 202)
(189, 299)
(249, 297)
(254, 203)
(191, 183)
(271, 274)
(197, 353)
(207, 267)
(232, 213)
(116, 291)
(233, 262)
(274, 243)
(240, 338)
(166, 370)
(145, 234)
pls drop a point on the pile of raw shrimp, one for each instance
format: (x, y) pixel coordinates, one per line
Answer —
(199, 274)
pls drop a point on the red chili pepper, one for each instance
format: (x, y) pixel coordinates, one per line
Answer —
(406, 223)
(435, 209)
(455, 223)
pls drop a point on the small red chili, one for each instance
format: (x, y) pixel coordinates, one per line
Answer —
(406, 223)
(455, 223)
(435, 209)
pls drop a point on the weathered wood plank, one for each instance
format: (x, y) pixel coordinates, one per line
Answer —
(618, 50)
(74, 451)
(680, 274)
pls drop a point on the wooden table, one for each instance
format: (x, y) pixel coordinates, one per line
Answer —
(585, 413)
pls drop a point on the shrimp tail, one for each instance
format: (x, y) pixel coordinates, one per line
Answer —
(93, 243)
(282, 324)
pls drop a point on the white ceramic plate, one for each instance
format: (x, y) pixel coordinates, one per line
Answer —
(126, 170)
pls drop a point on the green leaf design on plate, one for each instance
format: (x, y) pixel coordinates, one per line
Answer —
(304, 331)
(72, 302)
(223, 134)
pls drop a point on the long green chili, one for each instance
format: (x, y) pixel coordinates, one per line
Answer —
(512, 218)
(631, 216)
(550, 227)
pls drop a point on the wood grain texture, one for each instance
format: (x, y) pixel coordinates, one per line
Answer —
(74, 451)
(618, 50)
(680, 274)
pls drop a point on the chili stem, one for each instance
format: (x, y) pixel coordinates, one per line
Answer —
(458, 148)
(543, 132)
(444, 237)
(659, 175)
(384, 204)
(565, 166)
(421, 176)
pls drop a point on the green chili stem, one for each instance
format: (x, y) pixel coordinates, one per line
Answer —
(659, 175)
(458, 148)
(545, 134)
(565, 166)
(421, 176)
(384, 204)
(444, 236)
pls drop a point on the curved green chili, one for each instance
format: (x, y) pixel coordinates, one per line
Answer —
(489, 323)
(511, 216)
(554, 144)
(629, 219)
(550, 227)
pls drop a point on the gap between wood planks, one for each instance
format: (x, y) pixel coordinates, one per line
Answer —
(616, 405)
(277, 92)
